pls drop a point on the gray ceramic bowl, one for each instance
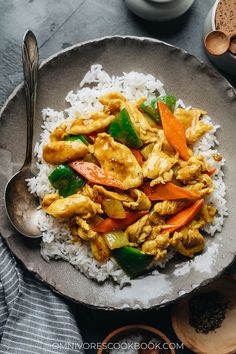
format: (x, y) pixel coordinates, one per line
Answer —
(159, 10)
(184, 76)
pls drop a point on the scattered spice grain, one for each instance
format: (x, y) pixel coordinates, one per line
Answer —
(207, 311)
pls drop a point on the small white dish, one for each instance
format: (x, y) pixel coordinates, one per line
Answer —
(226, 61)
(159, 10)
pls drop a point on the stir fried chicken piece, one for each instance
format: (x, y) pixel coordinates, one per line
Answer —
(84, 229)
(191, 169)
(166, 148)
(75, 204)
(49, 199)
(62, 151)
(188, 241)
(202, 186)
(118, 160)
(141, 125)
(188, 116)
(166, 177)
(160, 254)
(208, 213)
(158, 166)
(148, 225)
(95, 122)
(112, 102)
(60, 132)
(136, 200)
(112, 195)
(197, 131)
(191, 119)
(90, 192)
(100, 249)
(147, 150)
(157, 246)
(170, 207)
(139, 231)
(140, 200)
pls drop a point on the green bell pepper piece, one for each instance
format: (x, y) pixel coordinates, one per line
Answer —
(132, 260)
(66, 180)
(152, 110)
(122, 130)
(170, 101)
(77, 137)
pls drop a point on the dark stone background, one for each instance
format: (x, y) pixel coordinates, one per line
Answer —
(59, 24)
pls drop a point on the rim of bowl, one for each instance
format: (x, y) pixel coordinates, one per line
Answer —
(121, 332)
(161, 1)
(213, 23)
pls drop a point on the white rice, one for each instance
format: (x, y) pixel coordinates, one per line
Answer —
(56, 240)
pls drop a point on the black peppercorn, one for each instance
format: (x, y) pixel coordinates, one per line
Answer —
(207, 311)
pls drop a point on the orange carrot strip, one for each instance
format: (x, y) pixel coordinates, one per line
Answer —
(138, 155)
(183, 217)
(95, 174)
(111, 224)
(92, 136)
(168, 191)
(174, 131)
(211, 171)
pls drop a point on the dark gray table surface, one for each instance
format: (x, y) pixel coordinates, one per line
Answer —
(59, 24)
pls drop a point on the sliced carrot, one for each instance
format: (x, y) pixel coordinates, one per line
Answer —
(183, 217)
(168, 191)
(138, 155)
(111, 224)
(99, 199)
(211, 171)
(95, 174)
(174, 131)
(92, 136)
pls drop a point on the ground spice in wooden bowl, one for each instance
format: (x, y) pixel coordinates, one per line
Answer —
(207, 311)
(205, 321)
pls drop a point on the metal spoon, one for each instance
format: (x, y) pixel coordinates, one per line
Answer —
(218, 42)
(21, 206)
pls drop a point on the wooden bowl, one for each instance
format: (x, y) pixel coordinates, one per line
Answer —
(220, 341)
(122, 332)
(233, 276)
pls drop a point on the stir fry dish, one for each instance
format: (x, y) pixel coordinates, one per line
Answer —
(128, 183)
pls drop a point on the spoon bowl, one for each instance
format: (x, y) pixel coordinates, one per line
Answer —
(20, 205)
(217, 42)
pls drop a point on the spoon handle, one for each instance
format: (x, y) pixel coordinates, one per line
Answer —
(30, 59)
